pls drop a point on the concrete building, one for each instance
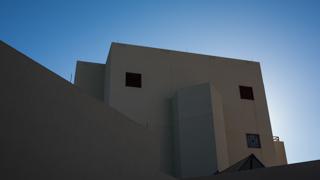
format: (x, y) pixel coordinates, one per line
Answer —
(207, 112)
(52, 129)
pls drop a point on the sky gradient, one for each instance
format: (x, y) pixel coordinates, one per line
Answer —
(284, 36)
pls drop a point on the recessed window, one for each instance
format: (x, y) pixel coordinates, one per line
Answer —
(246, 92)
(253, 141)
(133, 79)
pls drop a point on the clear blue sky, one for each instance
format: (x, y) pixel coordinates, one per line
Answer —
(283, 35)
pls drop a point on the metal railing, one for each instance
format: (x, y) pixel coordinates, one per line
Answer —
(276, 138)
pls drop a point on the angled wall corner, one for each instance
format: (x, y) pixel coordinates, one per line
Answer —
(280, 153)
(219, 129)
(51, 130)
(200, 147)
(90, 78)
(107, 82)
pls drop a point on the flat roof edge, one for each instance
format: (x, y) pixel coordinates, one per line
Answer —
(184, 52)
(88, 62)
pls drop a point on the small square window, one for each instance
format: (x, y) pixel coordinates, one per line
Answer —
(246, 92)
(253, 141)
(133, 80)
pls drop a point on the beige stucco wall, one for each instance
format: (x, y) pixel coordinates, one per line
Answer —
(219, 129)
(280, 153)
(194, 132)
(164, 72)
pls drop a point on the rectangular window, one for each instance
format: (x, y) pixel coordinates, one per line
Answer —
(253, 141)
(133, 80)
(246, 92)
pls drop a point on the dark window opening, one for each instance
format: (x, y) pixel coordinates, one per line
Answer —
(253, 141)
(133, 80)
(246, 92)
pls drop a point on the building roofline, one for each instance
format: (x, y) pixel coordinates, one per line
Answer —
(184, 52)
(88, 62)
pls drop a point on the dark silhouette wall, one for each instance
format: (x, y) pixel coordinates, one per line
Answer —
(91, 80)
(51, 130)
(299, 171)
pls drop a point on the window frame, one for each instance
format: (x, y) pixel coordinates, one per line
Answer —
(246, 92)
(249, 145)
(133, 80)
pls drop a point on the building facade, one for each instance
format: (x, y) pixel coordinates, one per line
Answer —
(207, 112)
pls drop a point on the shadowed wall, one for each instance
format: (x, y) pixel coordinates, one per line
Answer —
(51, 130)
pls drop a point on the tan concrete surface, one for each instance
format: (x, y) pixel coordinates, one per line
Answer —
(195, 144)
(280, 152)
(164, 72)
(219, 129)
